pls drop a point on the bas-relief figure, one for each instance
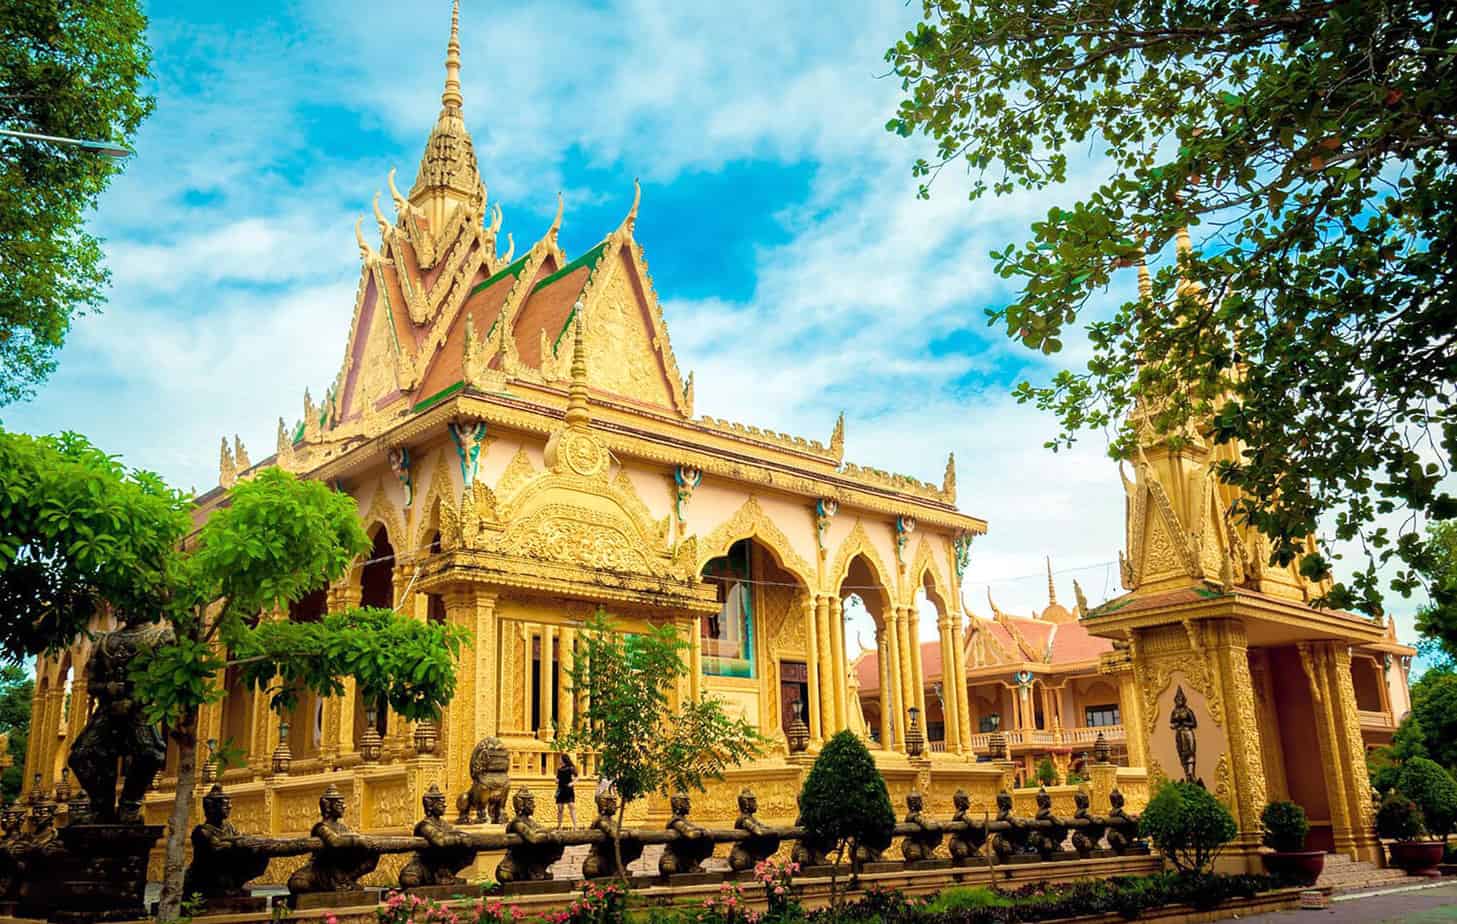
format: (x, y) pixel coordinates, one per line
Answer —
(344, 857)
(223, 860)
(602, 858)
(539, 848)
(1183, 723)
(922, 844)
(692, 846)
(448, 850)
(763, 840)
(116, 732)
(490, 766)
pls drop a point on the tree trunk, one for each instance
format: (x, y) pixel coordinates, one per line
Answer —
(185, 734)
(617, 842)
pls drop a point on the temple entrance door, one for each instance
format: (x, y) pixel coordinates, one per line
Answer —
(793, 688)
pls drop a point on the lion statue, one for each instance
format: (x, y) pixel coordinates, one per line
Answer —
(490, 765)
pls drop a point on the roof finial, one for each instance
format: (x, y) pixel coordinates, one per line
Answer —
(451, 98)
(577, 413)
(1051, 588)
(556, 223)
(630, 222)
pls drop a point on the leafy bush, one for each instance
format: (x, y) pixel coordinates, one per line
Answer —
(1188, 825)
(1433, 790)
(1398, 818)
(844, 802)
(1285, 827)
(1046, 772)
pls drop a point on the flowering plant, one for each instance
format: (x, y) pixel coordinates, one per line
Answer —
(777, 880)
(727, 908)
(399, 908)
(494, 911)
(599, 904)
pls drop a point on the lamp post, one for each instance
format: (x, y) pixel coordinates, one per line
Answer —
(104, 148)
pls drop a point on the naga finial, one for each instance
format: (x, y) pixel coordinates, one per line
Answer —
(401, 203)
(379, 218)
(510, 248)
(630, 222)
(556, 223)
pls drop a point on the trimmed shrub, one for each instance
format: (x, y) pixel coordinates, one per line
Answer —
(1188, 825)
(1285, 827)
(1047, 772)
(1398, 818)
(1433, 790)
(844, 803)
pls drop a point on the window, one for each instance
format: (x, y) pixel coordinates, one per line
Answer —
(989, 722)
(728, 635)
(1099, 716)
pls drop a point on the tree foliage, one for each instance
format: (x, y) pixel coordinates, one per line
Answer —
(844, 803)
(1188, 825)
(1437, 619)
(68, 68)
(80, 533)
(645, 739)
(1383, 764)
(1309, 144)
(16, 691)
(1433, 790)
(1434, 708)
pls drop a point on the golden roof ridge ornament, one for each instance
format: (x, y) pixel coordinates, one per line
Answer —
(578, 413)
(556, 223)
(1051, 587)
(451, 97)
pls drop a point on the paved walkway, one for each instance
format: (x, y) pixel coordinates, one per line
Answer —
(1418, 906)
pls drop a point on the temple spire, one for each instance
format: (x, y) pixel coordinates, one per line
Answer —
(448, 177)
(1051, 587)
(451, 98)
(577, 413)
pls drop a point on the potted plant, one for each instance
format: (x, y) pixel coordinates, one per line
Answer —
(1285, 827)
(1399, 822)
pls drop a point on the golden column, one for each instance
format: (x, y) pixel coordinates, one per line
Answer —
(918, 667)
(950, 702)
(838, 673)
(472, 714)
(811, 607)
(963, 696)
(1353, 750)
(1348, 789)
(892, 701)
(826, 658)
(339, 710)
(907, 685)
(544, 676)
(566, 657)
(887, 689)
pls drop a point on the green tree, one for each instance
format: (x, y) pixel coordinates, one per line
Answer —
(1434, 707)
(645, 742)
(79, 531)
(1434, 791)
(16, 690)
(1188, 825)
(69, 68)
(1046, 772)
(844, 803)
(1384, 764)
(1437, 620)
(1310, 145)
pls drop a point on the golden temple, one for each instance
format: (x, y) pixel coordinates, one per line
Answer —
(523, 450)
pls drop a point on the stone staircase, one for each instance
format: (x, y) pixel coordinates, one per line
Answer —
(1342, 874)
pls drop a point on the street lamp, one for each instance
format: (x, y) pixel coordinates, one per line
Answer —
(104, 148)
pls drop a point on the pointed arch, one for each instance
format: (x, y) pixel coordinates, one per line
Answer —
(383, 512)
(429, 516)
(858, 544)
(751, 522)
(925, 573)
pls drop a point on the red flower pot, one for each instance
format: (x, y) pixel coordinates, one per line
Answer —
(1302, 866)
(1417, 858)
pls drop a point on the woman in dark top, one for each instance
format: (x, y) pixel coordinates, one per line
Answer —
(566, 797)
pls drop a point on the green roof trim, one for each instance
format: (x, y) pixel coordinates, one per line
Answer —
(1208, 593)
(439, 396)
(1112, 606)
(298, 431)
(563, 332)
(590, 257)
(513, 270)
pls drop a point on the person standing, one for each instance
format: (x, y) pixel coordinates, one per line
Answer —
(566, 794)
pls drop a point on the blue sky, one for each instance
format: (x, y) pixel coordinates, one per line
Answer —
(799, 273)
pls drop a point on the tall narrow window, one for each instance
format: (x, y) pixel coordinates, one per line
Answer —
(728, 636)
